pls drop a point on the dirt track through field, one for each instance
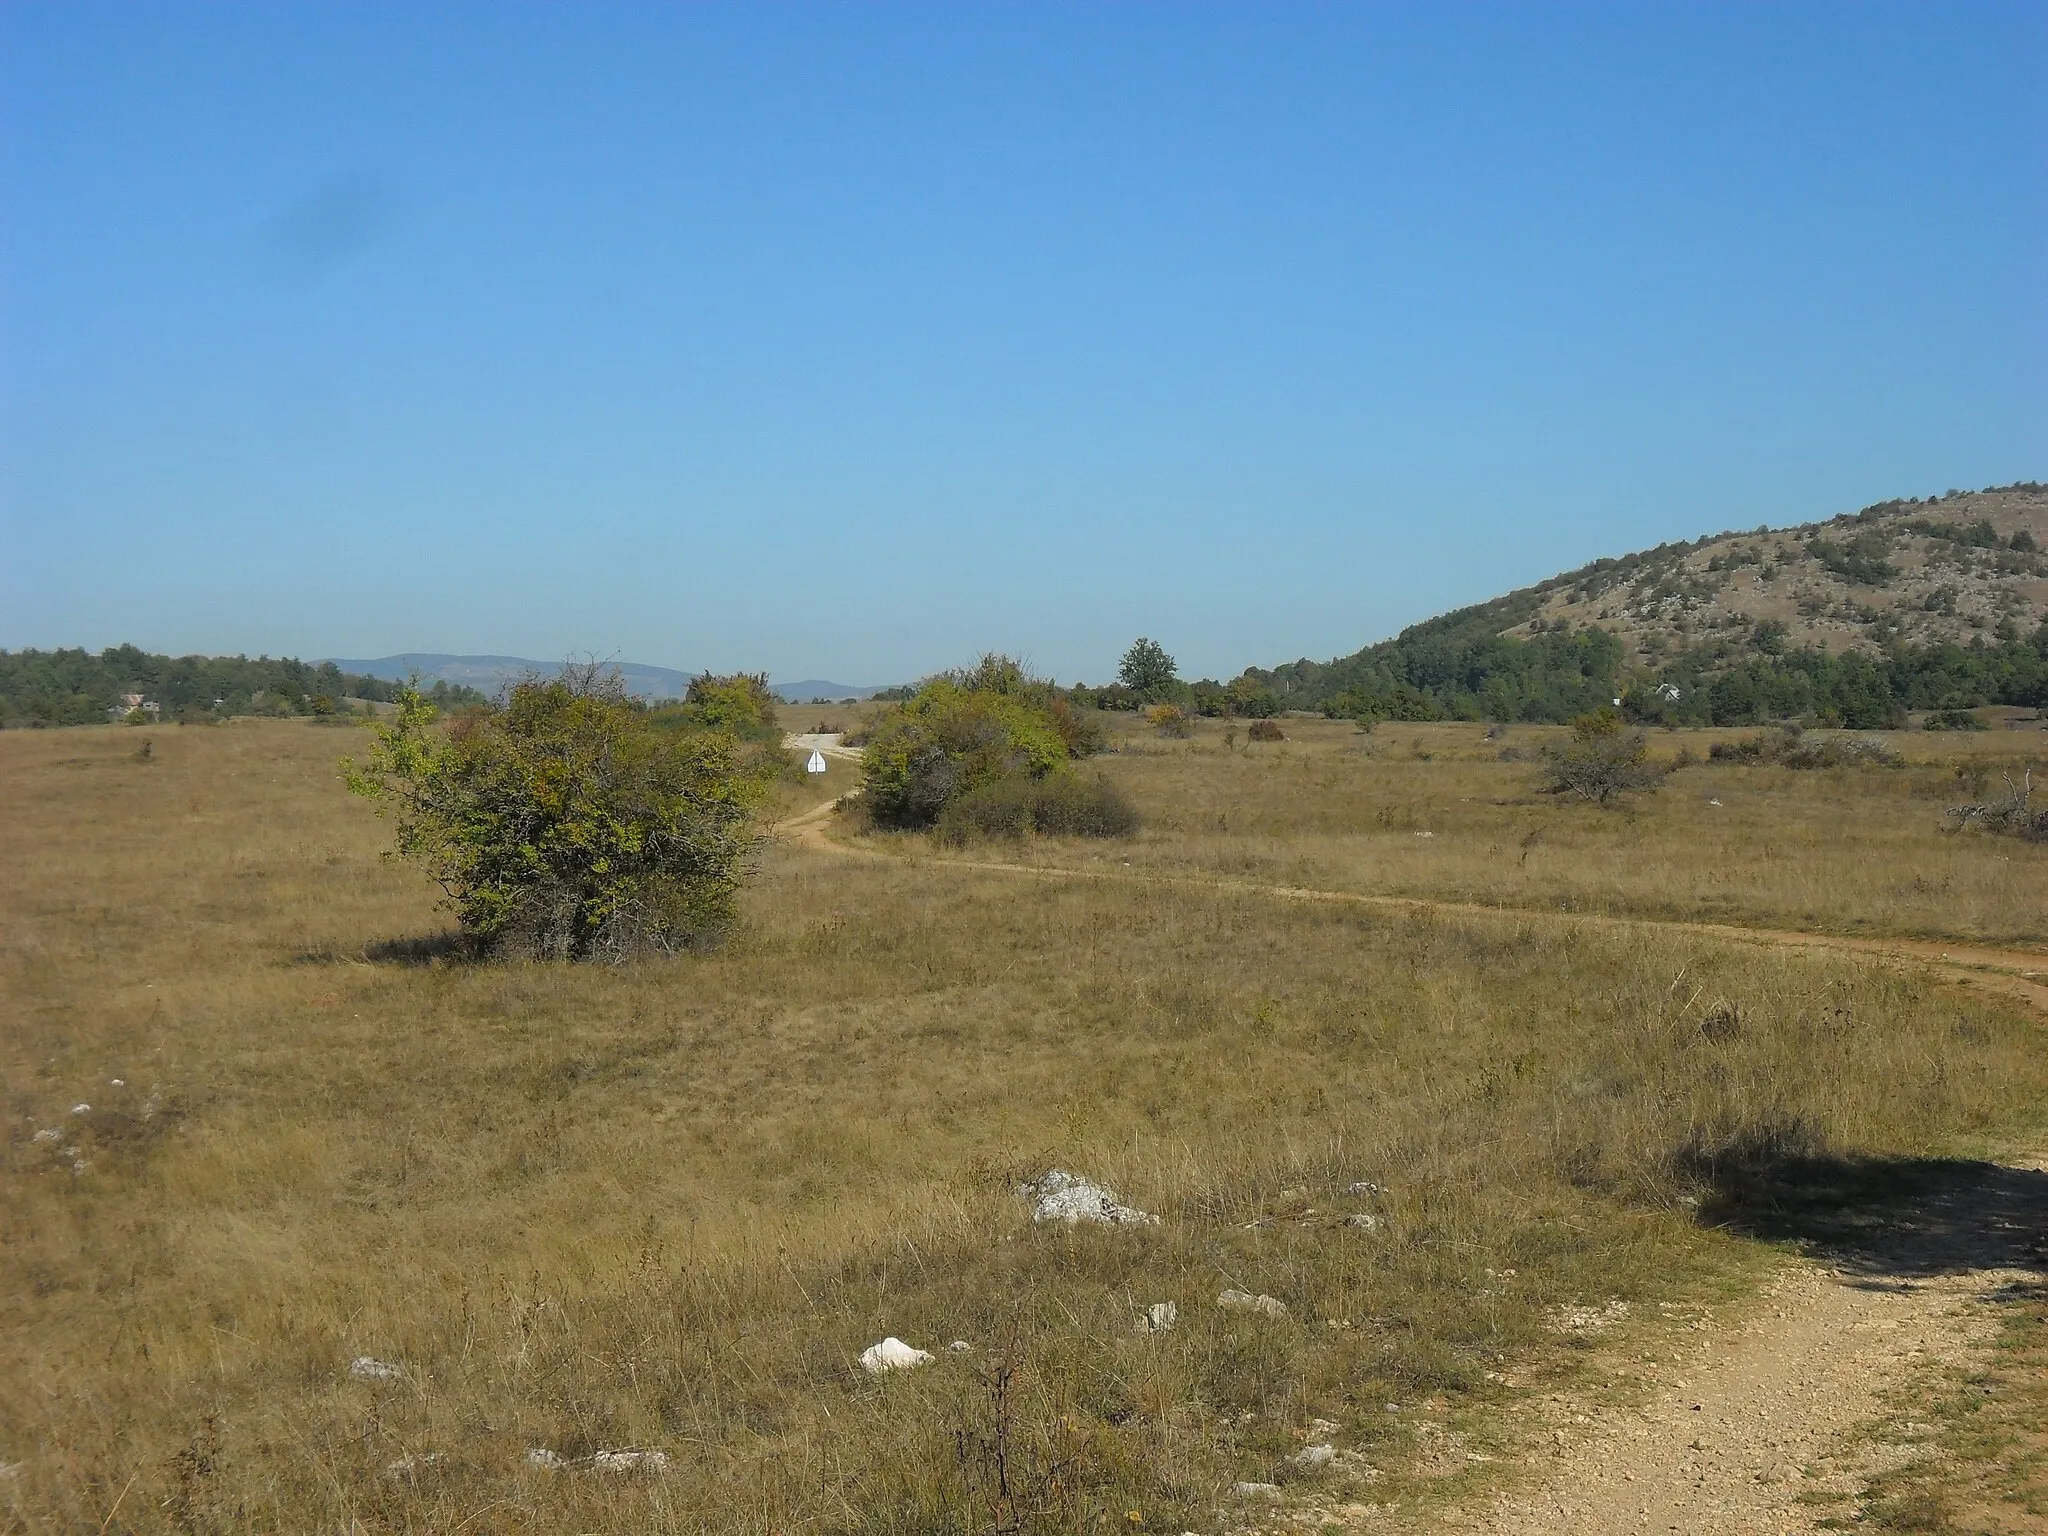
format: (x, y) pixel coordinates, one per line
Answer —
(1743, 1430)
(2017, 973)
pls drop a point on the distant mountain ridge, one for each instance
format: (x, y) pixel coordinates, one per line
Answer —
(487, 674)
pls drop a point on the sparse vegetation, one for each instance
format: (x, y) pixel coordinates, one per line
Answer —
(1791, 747)
(2013, 814)
(1602, 762)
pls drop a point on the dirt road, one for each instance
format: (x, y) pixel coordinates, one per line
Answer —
(1743, 1433)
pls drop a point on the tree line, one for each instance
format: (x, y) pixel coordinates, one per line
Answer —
(77, 687)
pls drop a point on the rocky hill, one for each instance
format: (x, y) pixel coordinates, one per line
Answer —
(1908, 605)
(1951, 568)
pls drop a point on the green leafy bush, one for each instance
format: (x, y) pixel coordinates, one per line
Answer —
(566, 824)
(966, 730)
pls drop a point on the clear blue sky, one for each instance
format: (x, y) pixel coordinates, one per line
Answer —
(851, 340)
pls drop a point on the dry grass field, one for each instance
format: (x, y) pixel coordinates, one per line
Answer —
(663, 1207)
(1434, 811)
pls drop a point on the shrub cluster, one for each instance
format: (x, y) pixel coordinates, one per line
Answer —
(995, 738)
(1059, 805)
(568, 824)
(1601, 761)
(1790, 747)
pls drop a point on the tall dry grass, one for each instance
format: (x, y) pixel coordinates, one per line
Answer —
(1434, 811)
(665, 1205)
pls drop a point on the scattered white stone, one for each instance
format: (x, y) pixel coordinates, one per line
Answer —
(115, 1082)
(1161, 1316)
(892, 1354)
(959, 1347)
(1425, 834)
(47, 1133)
(1588, 1320)
(1244, 1301)
(1362, 1188)
(1256, 1490)
(1314, 1458)
(1063, 1196)
(630, 1461)
(541, 1456)
(81, 1109)
(1364, 1221)
(79, 1167)
(1713, 802)
(365, 1368)
(406, 1466)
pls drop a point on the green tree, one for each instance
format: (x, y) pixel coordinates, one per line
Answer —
(564, 825)
(1146, 668)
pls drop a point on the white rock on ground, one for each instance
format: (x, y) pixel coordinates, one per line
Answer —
(1363, 1187)
(959, 1347)
(1063, 1196)
(541, 1456)
(81, 1109)
(630, 1461)
(364, 1368)
(1315, 1457)
(1244, 1301)
(1256, 1490)
(892, 1354)
(1161, 1316)
(48, 1133)
(1364, 1221)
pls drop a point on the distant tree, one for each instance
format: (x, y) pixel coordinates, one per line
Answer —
(1146, 668)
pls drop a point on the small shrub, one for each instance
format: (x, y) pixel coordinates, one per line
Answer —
(1601, 762)
(2013, 814)
(1171, 721)
(1953, 720)
(1265, 730)
(565, 825)
(1062, 805)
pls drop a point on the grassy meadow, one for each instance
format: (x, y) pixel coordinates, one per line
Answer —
(1434, 811)
(664, 1206)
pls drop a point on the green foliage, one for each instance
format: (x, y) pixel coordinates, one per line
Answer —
(1861, 560)
(739, 704)
(1146, 668)
(1457, 667)
(1953, 720)
(567, 824)
(75, 687)
(961, 731)
(1603, 761)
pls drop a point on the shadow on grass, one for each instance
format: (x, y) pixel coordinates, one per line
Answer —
(1880, 1219)
(448, 948)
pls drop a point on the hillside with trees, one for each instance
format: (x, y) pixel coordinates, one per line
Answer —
(77, 687)
(1938, 605)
